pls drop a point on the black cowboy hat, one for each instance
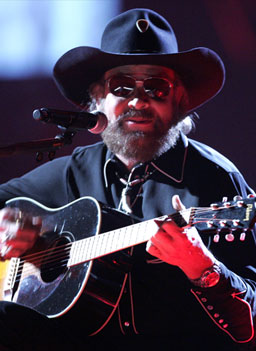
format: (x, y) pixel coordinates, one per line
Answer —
(139, 36)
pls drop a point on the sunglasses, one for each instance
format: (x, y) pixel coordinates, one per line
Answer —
(154, 87)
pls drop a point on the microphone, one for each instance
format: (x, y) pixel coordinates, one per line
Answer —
(95, 122)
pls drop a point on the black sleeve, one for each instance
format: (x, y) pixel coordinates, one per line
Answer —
(231, 304)
(46, 184)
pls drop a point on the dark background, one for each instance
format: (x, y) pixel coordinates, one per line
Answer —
(226, 123)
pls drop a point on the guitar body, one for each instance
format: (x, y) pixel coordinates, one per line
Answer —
(51, 287)
(82, 254)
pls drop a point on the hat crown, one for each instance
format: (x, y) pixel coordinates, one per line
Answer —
(139, 37)
(127, 34)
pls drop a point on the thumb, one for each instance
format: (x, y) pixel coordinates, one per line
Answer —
(177, 204)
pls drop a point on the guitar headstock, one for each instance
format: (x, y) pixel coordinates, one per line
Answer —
(228, 218)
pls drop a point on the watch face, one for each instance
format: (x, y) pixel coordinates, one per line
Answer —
(210, 279)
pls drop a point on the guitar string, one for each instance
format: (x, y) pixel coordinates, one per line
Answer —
(57, 254)
(37, 255)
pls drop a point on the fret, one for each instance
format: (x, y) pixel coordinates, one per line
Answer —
(109, 242)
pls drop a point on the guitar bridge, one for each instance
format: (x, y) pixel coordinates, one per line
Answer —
(10, 278)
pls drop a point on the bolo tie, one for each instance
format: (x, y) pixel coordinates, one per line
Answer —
(126, 202)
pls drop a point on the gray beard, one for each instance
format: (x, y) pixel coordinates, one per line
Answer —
(140, 146)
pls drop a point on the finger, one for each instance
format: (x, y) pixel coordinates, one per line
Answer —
(4, 250)
(21, 245)
(5, 213)
(27, 229)
(167, 232)
(160, 223)
(14, 248)
(6, 235)
(9, 231)
(162, 241)
(20, 219)
(152, 249)
(10, 214)
(171, 228)
(177, 204)
(169, 256)
(11, 252)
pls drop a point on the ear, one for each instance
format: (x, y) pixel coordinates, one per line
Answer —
(96, 91)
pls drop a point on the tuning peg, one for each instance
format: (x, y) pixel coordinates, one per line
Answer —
(216, 238)
(214, 206)
(242, 236)
(250, 196)
(229, 237)
(236, 222)
(223, 223)
(241, 203)
(237, 198)
(210, 224)
(227, 204)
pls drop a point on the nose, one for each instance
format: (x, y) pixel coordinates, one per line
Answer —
(138, 103)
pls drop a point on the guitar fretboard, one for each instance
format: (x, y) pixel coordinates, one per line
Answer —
(109, 242)
(118, 239)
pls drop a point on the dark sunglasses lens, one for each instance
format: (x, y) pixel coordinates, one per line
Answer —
(121, 86)
(157, 87)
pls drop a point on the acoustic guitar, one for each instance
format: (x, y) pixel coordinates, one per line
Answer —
(84, 251)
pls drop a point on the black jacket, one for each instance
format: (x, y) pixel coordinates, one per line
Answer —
(159, 299)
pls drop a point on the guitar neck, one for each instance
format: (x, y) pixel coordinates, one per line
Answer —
(109, 242)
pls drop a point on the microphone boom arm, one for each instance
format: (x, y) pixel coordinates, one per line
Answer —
(68, 121)
(39, 146)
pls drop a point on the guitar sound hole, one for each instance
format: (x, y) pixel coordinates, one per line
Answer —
(55, 260)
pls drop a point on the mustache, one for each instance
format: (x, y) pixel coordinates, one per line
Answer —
(133, 113)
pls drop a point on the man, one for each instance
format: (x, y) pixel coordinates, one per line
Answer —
(185, 290)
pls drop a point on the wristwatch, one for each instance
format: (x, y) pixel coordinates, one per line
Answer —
(209, 278)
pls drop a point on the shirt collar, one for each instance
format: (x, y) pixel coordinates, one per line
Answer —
(171, 164)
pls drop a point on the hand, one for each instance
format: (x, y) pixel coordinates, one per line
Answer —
(182, 247)
(18, 232)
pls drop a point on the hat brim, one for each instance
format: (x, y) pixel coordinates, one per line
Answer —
(201, 71)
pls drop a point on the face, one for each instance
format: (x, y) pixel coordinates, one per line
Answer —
(141, 111)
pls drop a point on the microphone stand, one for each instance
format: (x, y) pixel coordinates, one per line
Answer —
(40, 146)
